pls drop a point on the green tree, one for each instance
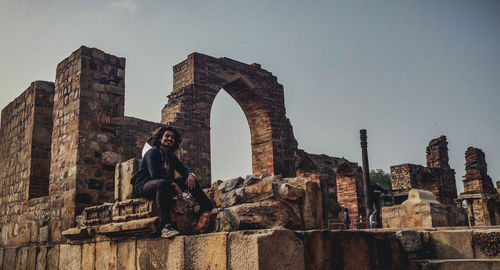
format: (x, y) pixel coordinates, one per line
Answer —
(382, 178)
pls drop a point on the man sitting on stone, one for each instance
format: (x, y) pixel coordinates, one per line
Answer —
(155, 178)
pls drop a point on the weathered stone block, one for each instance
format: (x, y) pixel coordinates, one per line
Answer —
(133, 209)
(206, 251)
(106, 255)
(123, 174)
(260, 215)
(365, 250)
(88, 256)
(456, 244)
(265, 249)
(318, 250)
(126, 255)
(154, 253)
(41, 258)
(70, 256)
(9, 258)
(21, 258)
(53, 257)
(43, 235)
(100, 214)
(31, 259)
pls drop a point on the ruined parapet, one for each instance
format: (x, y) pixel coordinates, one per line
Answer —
(437, 153)
(197, 81)
(422, 210)
(476, 176)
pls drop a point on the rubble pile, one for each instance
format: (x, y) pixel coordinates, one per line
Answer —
(264, 202)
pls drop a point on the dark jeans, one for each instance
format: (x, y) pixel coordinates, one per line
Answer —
(162, 192)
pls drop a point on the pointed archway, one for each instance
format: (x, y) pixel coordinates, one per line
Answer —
(230, 149)
(197, 80)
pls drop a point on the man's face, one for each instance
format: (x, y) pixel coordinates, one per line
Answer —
(168, 139)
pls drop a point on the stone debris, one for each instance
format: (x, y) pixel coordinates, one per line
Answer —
(266, 202)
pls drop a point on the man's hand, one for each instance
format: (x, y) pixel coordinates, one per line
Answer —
(177, 189)
(190, 182)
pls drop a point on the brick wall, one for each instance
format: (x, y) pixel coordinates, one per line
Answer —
(350, 192)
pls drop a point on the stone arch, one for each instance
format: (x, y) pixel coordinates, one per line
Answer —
(198, 80)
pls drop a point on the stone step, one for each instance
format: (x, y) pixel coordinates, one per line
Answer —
(456, 264)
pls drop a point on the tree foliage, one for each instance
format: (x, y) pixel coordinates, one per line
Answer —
(382, 178)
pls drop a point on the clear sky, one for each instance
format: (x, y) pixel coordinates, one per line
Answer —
(407, 71)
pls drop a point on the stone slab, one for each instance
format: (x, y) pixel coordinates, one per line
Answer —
(53, 257)
(106, 258)
(318, 250)
(265, 249)
(367, 250)
(70, 256)
(88, 256)
(9, 258)
(31, 260)
(126, 255)
(21, 258)
(41, 258)
(451, 244)
(153, 253)
(206, 251)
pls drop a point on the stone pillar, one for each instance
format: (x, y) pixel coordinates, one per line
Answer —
(366, 173)
(88, 111)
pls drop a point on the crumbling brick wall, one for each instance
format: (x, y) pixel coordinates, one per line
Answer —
(24, 163)
(483, 201)
(476, 172)
(197, 81)
(350, 192)
(437, 177)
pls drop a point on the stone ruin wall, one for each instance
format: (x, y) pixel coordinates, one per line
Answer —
(69, 135)
(437, 177)
(24, 165)
(60, 143)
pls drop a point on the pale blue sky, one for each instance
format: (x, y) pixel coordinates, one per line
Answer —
(407, 71)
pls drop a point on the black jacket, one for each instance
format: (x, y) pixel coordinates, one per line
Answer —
(151, 167)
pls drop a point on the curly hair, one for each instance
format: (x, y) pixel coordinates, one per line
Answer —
(155, 139)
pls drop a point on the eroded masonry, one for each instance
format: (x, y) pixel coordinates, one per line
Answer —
(67, 153)
(61, 141)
